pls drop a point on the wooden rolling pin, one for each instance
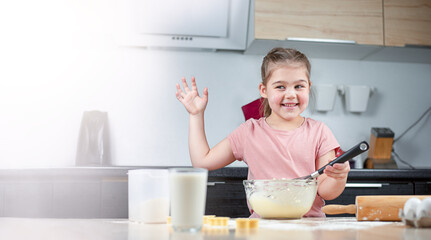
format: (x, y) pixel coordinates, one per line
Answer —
(373, 208)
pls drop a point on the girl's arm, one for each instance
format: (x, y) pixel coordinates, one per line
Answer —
(200, 153)
(333, 182)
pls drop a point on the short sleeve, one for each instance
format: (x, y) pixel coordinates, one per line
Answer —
(237, 140)
(328, 141)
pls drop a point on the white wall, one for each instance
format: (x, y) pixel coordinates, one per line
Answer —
(56, 67)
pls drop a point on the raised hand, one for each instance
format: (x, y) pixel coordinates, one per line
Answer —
(190, 98)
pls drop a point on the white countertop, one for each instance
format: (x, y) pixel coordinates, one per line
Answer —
(306, 228)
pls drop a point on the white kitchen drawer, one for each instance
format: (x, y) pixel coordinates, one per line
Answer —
(1, 199)
(76, 199)
(27, 199)
(114, 200)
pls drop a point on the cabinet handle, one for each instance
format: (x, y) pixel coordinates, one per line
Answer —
(321, 40)
(214, 183)
(417, 46)
(364, 185)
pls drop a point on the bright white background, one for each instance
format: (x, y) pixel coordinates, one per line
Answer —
(59, 59)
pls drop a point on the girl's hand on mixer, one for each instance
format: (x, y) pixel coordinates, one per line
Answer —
(190, 98)
(339, 171)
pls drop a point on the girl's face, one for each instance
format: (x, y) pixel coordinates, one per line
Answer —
(287, 91)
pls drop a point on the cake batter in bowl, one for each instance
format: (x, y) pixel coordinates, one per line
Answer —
(281, 198)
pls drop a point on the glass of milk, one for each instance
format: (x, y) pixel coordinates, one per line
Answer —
(188, 190)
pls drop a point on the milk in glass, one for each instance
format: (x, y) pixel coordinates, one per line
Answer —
(188, 187)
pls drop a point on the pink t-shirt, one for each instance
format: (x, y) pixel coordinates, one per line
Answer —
(271, 153)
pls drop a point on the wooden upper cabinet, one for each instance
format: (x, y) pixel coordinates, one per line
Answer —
(407, 22)
(353, 20)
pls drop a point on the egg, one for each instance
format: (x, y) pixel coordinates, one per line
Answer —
(424, 208)
(410, 207)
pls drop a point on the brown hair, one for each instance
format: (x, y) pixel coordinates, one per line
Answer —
(274, 59)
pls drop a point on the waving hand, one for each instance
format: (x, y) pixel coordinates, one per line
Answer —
(190, 98)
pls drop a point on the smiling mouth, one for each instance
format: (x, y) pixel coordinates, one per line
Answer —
(289, 104)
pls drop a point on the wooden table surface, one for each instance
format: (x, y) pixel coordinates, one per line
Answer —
(304, 229)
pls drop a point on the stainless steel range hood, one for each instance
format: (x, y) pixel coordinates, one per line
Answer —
(204, 24)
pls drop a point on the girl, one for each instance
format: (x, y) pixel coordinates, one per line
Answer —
(282, 144)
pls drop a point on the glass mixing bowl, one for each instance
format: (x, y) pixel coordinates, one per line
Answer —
(281, 198)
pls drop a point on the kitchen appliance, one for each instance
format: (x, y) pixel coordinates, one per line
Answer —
(220, 24)
(373, 208)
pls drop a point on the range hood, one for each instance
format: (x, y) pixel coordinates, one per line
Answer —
(204, 24)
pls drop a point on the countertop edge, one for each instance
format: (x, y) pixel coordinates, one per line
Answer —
(226, 172)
